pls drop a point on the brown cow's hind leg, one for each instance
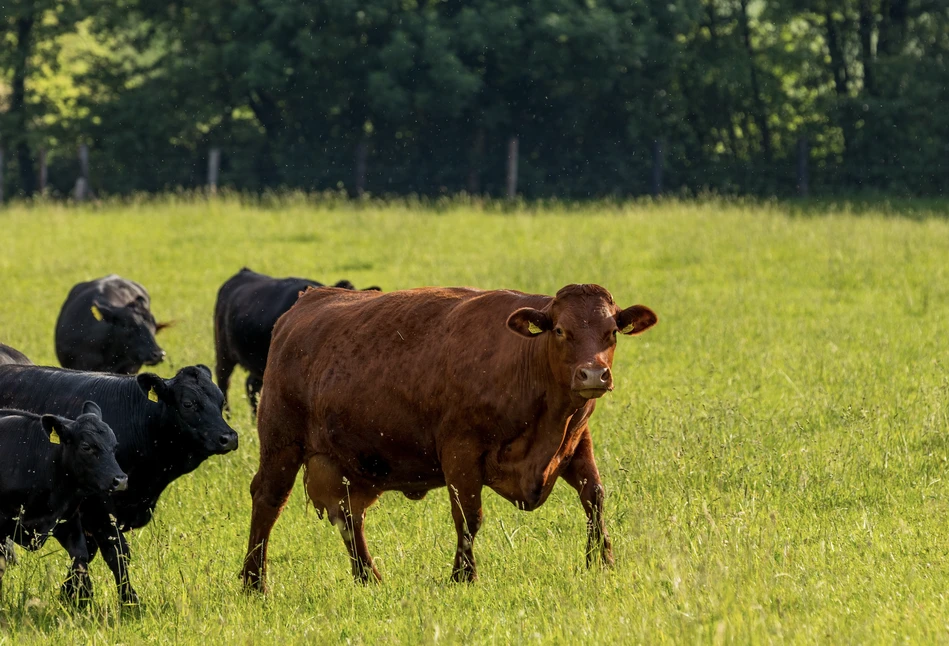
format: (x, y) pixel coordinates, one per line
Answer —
(582, 475)
(270, 490)
(464, 489)
(345, 505)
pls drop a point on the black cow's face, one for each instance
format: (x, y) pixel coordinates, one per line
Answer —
(197, 403)
(88, 450)
(133, 330)
(580, 326)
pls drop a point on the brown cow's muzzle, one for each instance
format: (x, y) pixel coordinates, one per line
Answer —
(593, 381)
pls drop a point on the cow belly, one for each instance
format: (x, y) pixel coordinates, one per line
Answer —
(383, 457)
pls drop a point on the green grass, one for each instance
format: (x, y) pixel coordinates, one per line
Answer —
(775, 453)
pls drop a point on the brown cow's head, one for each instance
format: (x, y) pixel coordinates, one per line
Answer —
(580, 326)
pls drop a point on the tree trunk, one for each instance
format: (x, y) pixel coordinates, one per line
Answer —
(895, 14)
(24, 29)
(270, 118)
(866, 46)
(761, 113)
(838, 65)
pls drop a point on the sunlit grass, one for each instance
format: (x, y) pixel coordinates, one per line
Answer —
(774, 454)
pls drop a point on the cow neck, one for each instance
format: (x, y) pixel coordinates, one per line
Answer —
(177, 453)
(552, 400)
(63, 486)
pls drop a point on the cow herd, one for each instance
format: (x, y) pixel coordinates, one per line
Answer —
(366, 391)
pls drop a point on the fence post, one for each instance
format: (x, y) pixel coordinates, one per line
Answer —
(44, 170)
(81, 190)
(214, 167)
(512, 152)
(657, 166)
(362, 156)
(803, 178)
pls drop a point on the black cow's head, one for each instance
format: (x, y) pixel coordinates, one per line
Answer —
(133, 330)
(580, 326)
(88, 450)
(197, 404)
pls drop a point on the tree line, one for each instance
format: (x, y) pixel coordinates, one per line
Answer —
(426, 96)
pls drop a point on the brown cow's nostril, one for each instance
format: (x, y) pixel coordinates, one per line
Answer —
(605, 377)
(583, 375)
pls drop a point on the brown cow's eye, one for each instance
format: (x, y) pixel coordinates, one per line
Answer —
(558, 331)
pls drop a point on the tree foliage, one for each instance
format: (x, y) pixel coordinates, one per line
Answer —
(432, 90)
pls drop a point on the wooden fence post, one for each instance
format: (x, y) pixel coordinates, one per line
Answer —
(81, 190)
(512, 152)
(44, 170)
(657, 166)
(803, 179)
(214, 167)
(362, 157)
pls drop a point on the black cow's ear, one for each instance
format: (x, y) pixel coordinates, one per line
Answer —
(529, 322)
(374, 288)
(345, 284)
(92, 408)
(636, 319)
(203, 368)
(153, 386)
(102, 312)
(55, 428)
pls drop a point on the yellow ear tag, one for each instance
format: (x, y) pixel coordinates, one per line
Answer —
(152, 395)
(627, 329)
(532, 328)
(53, 437)
(96, 314)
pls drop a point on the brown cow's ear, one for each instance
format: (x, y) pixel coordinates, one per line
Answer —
(529, 322)
(636, 319)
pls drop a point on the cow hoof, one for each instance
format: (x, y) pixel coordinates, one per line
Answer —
(129, 597)
(253, 583)
(77, 591)
(464, 576)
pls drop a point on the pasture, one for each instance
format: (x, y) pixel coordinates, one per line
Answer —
(775, 451)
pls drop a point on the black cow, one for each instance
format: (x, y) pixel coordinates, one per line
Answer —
(10, 355)
(165, 429)
(48, 464)
(248, 306)
(106, 325)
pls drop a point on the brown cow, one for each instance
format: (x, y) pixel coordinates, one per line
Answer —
(413, 390)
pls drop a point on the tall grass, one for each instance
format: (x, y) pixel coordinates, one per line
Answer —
(775, 452)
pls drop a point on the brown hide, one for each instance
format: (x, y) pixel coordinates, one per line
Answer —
(413, 390)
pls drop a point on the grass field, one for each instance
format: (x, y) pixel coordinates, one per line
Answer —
(775, 452)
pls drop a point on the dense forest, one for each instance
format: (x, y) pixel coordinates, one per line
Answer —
(601, 97)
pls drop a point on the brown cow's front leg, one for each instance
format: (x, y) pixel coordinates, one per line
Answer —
(270, 490)
(464, 489)
(582, 475)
